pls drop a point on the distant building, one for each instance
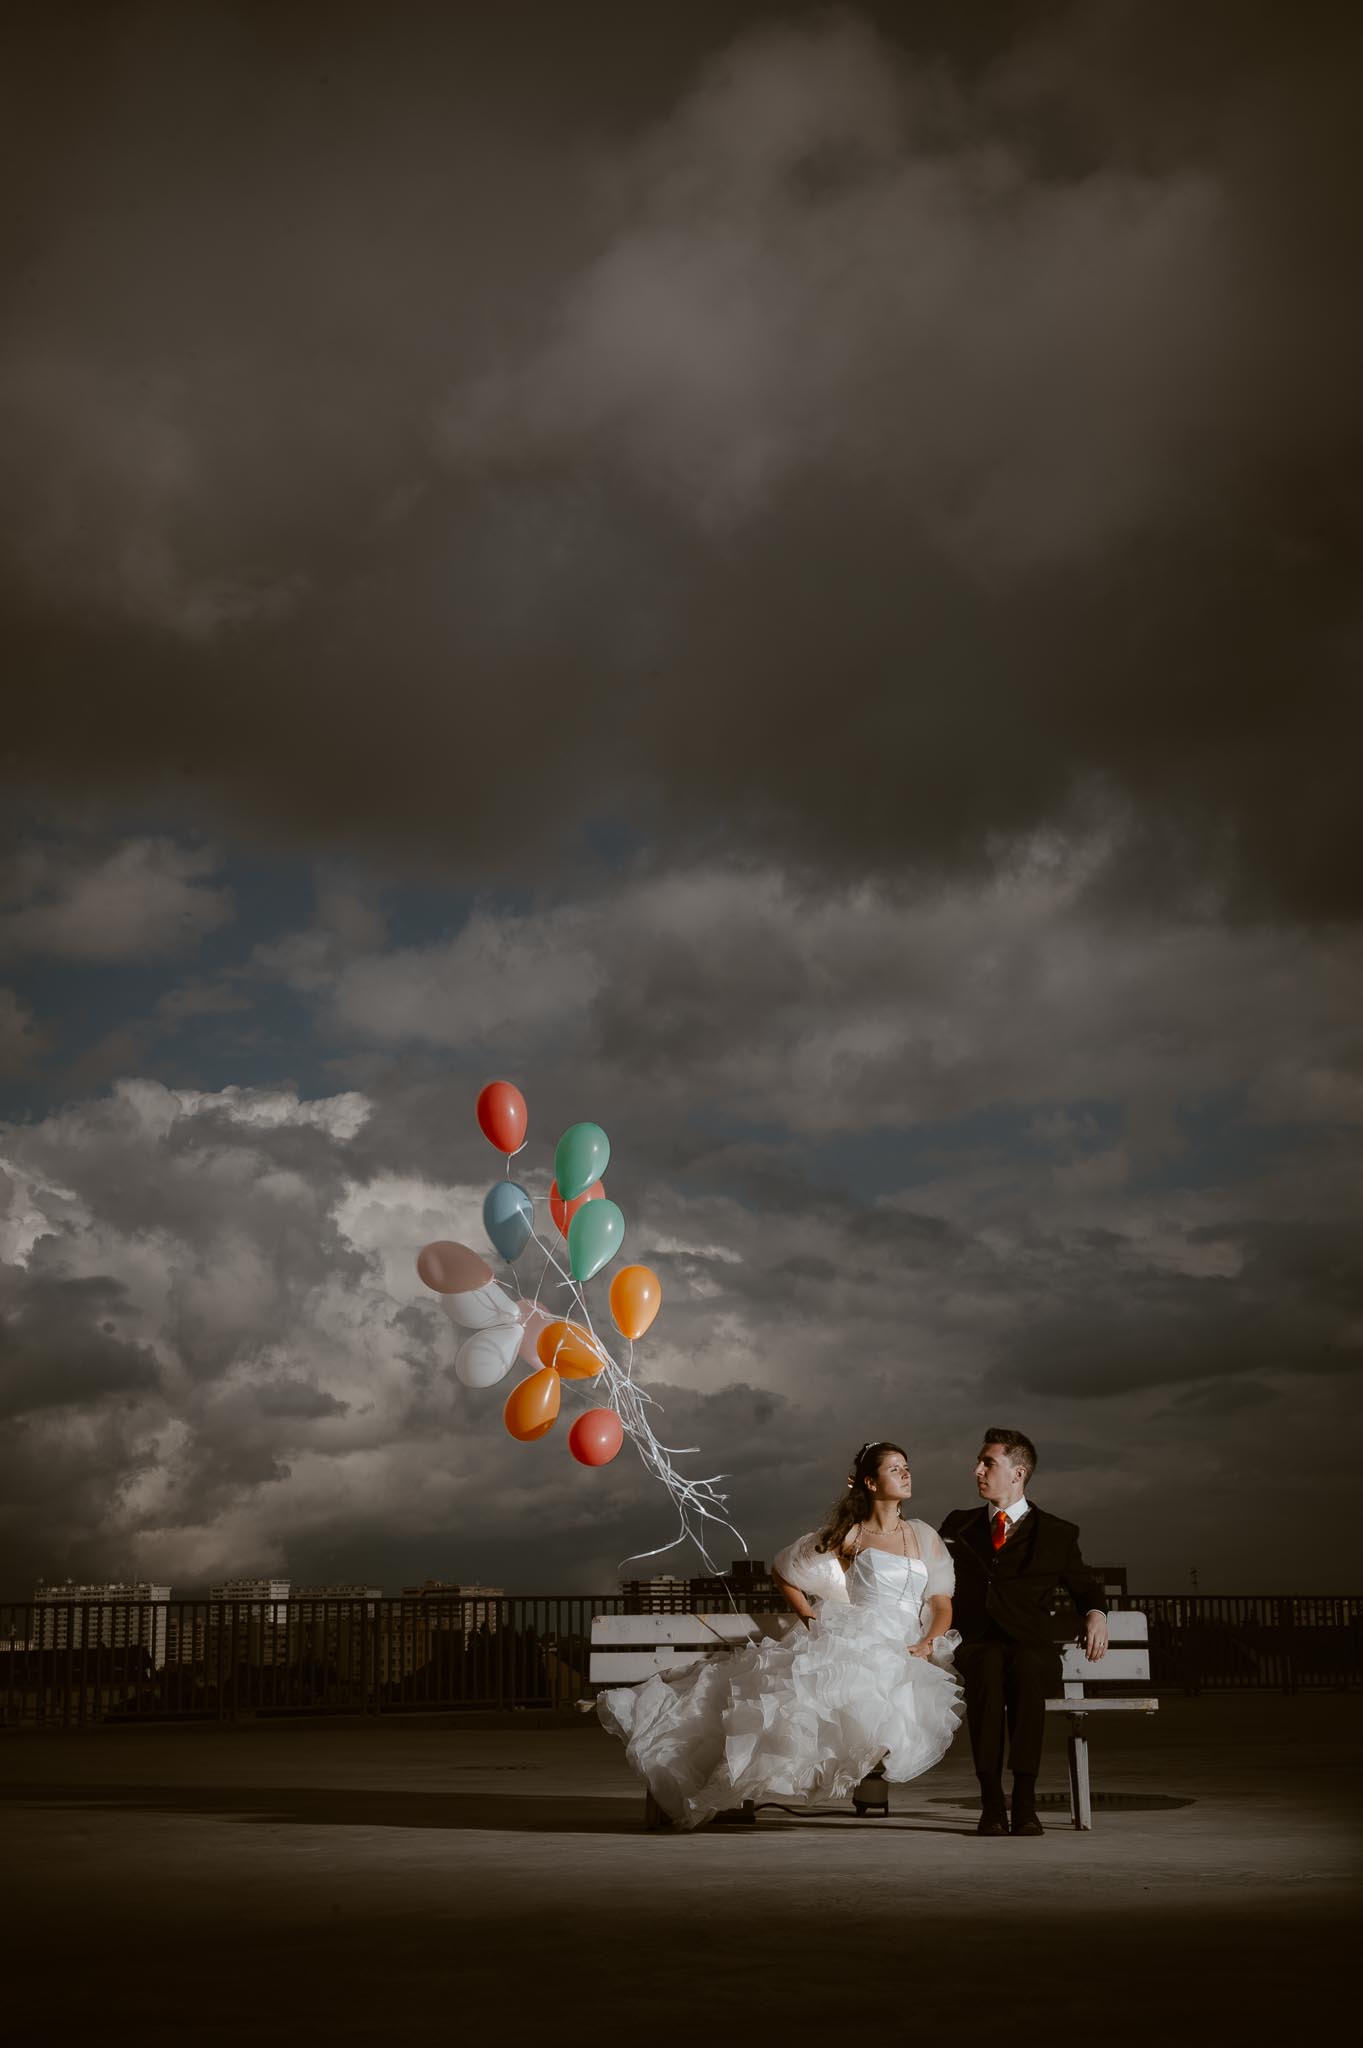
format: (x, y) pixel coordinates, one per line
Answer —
(115, 1615)
(325, 1621)
(252, 1626)
(435, 1608)
(337, 1593)
(251, 1589)
(746, 1588)
(662, 1594)
(479, 1606)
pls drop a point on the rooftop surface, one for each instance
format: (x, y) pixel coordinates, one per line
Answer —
(410, 1880)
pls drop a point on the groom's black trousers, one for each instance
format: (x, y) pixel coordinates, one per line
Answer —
(1007, 1684)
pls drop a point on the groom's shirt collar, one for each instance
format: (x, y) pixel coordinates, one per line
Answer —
(1015, 1513)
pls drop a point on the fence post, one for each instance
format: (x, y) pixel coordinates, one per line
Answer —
(1287, 1611)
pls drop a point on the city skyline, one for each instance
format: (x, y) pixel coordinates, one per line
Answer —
(784, 580)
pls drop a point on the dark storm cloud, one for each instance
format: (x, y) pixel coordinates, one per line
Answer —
(60, 1344)
(1292, 1308)
(826, 544)
(863, 441)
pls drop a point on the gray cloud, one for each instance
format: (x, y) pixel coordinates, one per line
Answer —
(22, 1039)
(818, 247)
(840, 443)
(60, 1345)
(837, 536)
(294, 1402)
(136, 900)
(872, 1007)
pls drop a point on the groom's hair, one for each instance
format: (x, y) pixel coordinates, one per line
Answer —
(1020, 1448)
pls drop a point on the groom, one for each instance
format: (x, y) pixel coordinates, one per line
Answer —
(1009, 1557)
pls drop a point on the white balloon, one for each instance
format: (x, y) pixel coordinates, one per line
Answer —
(487, 1355)
(533, 1320)
(480, 1307)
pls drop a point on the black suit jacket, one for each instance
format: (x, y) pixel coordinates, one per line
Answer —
(1010, 1589)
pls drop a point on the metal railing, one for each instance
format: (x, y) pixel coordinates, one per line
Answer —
(74, 1663)
(1241, 1642)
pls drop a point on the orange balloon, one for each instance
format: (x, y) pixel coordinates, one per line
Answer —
(636, 1296)
(532, 1406)
(569, 1350)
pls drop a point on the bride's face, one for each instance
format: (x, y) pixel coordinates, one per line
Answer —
(894, 1481)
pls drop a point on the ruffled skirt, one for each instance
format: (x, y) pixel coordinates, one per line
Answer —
(797, 1719)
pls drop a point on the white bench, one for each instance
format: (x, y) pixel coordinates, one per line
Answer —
(1127, 1662)
(627, 1648)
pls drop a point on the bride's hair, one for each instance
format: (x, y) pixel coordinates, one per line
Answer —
(855, 1505)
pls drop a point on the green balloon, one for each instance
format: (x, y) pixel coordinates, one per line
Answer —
(580, 1158)
(595, 1235)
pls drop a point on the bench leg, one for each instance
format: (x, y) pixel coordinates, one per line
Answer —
(1081, 1805)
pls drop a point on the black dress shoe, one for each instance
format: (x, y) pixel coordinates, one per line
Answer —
(1026, 1824)
(991, 1824)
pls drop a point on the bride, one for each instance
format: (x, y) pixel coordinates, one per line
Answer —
(805, 1716)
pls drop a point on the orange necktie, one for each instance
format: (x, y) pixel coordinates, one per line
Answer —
(1000, 1529)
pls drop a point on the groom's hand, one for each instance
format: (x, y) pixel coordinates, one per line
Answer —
(1095, 1636)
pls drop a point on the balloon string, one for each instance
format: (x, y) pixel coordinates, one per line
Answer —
(695, 1501)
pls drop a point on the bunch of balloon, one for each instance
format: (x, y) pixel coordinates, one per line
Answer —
(561, 1348)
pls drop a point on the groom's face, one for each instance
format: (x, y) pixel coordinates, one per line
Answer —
(996, 1475)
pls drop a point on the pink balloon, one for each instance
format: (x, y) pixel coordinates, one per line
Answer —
(596, 1436)
(533, 1319)
(452, 1268)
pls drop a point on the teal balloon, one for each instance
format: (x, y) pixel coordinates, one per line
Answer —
(595, 1235)
(581, 1157)
(508, 1218)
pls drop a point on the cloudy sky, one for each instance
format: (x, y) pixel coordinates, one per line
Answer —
(785, 579)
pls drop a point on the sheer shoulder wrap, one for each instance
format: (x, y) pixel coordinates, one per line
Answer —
(937, 1558)
(817, 1573)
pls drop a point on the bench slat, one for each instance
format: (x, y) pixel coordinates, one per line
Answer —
(631, 1667)
(1126, 1625)
(1123, 1627)
(632, 1629)
(1102, 1706)
(1117, 1664)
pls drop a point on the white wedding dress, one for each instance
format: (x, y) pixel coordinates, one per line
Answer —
(803, 1717)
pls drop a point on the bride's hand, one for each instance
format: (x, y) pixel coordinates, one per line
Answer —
(923, 1649)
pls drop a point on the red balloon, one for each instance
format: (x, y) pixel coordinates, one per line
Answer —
(564, 1212)
(596, 1436)
(502, 1116)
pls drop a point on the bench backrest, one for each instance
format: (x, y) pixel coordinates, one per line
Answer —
(1127, 1660)
(629, 1647)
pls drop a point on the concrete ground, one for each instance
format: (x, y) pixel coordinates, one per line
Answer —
(407, 1881)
